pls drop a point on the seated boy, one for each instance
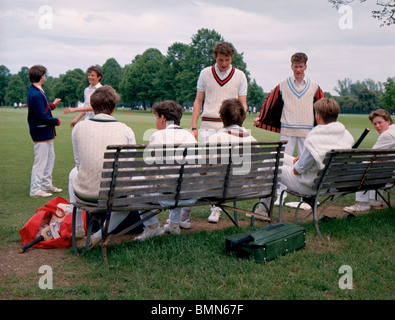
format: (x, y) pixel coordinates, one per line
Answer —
(168, 116)
(299, 173)
(232, 114)
(90, 140)
(384, 125)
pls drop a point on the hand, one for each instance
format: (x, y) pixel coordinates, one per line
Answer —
(256, 121)
(195, 134)
(68, 110)
(73, 123)
(296, 159)
(57, 101)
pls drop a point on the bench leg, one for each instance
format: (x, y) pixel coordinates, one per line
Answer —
(73, 239)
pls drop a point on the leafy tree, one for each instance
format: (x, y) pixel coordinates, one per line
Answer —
(112, 73)
(24, 74)
(255, 96)
(69, 87)
(16, 90)
(141, 81)
(388, 97)
(4, 78)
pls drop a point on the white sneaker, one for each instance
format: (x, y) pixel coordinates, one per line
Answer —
(54, 190)
(214, 216)
(277, 202)
(183, 224)
(150, 232)
(79, 232)
(260, 213)
(173, 228)
(358, 207)
(41, 194)
(94, 241)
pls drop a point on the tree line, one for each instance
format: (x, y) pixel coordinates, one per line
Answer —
(152, 76)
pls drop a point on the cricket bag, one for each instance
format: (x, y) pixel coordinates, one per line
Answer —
(48, 228)
(267, 243)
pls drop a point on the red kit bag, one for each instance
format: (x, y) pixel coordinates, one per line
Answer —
(41, 220)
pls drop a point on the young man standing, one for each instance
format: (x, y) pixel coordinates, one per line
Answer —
(288, 109)
(94, 77)
(42, 130)
(215, 84)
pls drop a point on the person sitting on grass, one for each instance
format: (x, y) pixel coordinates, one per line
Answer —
(384, 125)
(168, 116)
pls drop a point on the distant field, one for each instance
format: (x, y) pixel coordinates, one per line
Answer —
(193, 265)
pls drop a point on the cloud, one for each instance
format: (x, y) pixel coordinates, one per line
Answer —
(266, 32)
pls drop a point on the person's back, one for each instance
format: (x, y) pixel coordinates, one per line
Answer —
(91, 138)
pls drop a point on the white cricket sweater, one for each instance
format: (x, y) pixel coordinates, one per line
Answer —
(297, 117)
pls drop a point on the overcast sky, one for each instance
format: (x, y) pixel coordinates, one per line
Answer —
(82, 33)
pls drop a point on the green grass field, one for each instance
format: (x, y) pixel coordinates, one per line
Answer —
(193, 265)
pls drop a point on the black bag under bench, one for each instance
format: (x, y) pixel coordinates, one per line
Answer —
(267, 243)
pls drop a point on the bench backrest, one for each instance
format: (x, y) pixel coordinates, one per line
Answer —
(139, 176)
(356, 170)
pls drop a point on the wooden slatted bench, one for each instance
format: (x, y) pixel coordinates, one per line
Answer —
(347, 171)
(138, 177)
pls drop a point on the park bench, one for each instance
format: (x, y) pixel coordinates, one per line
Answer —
(347, 171)
(142, 177)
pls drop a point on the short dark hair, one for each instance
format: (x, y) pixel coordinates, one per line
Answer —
(104, 100)
(299, 57)
(380, 113)
(97, 70)
(224, 48)
(36, 72)
(171, 110)
(328, 109)
(232, 112)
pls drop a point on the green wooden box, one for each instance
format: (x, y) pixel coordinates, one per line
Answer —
(267, 243)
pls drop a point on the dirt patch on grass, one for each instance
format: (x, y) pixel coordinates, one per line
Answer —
(13, 262)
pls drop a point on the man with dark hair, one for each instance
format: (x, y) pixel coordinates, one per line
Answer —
(215, 84)
(94, 76)
(42, 130)
(168, 117)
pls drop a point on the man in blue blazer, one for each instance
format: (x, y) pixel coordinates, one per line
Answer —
(42, 130)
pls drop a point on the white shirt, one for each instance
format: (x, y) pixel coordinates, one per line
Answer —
(87, 99)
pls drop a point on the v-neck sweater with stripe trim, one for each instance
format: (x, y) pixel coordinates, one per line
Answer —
(297, 118)
(216, 90)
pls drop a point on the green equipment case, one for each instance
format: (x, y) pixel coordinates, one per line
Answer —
(267, 243)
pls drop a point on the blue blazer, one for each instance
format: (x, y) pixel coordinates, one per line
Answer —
(41, 123)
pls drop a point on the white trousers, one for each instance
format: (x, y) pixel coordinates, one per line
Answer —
(289, 149)
(116, 217)
(44, 160)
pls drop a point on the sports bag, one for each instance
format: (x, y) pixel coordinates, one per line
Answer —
(267, 243)
(43, 217)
